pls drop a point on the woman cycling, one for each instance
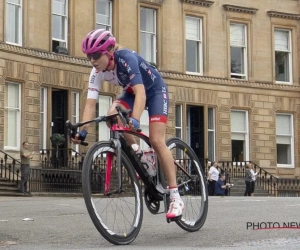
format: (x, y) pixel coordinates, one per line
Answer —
(143, 87)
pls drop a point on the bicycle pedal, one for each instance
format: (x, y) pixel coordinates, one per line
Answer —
(174, 219)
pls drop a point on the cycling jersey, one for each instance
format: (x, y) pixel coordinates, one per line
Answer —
(132, 69)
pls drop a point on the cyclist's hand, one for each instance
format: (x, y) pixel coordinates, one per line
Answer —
(79, 137)
(133, 124)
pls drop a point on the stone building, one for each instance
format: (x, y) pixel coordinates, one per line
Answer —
(231, 68)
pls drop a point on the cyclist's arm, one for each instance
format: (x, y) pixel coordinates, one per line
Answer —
(139, 101)
(89, 111)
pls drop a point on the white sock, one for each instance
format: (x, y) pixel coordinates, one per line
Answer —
(174, 194)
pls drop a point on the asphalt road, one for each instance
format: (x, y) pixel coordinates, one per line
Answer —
(63, 223)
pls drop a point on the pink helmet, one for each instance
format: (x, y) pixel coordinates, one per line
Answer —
(97, 41)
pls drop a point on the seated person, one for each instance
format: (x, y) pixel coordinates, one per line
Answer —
(221, 188)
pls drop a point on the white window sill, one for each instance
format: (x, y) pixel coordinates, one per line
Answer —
(285, 166)
(194, 73)
(285, 83)
(15, 44)
(11, 148)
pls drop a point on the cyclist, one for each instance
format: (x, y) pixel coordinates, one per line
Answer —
(143, 87)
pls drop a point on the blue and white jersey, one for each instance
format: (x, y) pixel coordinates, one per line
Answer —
(131, 69)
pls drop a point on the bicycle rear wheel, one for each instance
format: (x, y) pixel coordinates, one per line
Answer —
(116, 214)
(191, 185)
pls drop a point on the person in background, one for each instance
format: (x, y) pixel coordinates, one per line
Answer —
(213, 176)
(248, 180)
(25, 156)
(254, 176)
(221, 189)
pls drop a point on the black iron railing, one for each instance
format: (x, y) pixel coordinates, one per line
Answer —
(9, 168)
(62, 158)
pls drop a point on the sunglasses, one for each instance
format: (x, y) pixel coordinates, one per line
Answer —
(95, 55)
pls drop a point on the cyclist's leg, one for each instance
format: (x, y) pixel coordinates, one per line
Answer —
(125, 100)
(157, 103)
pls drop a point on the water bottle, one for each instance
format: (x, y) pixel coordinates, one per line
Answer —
(147, 158)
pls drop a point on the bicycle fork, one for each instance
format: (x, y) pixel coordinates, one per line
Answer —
(109, 163)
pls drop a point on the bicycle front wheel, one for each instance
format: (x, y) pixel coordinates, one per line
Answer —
(116, 212)
(191, 185)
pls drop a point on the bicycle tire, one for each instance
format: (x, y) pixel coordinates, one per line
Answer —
(107, 212)
(194, 191)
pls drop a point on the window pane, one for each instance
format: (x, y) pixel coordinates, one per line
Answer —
(59, 7)
(13, 23)
(211, 145)
(282, 40)
(147, 47)
(211, 124)
(102, 107)
(178, 115)
(238, 121)
(237, 35)
(282, 66)
(13, 96)
(147, 20)
(283, 125)
(43, 101)
(58, 27)
(12, 120)
(192, 55)
(192, 28)
(237, 60)
(283, 154)
(103, 12)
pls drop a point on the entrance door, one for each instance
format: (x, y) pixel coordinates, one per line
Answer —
(59, 117)
(196, 130)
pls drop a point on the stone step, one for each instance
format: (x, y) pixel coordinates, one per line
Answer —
(10, 188)
(10, 193)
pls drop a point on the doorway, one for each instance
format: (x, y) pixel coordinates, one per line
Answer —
(59, 117)
(195, 131)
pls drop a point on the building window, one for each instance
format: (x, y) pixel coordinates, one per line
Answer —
(144, 125)
(284, 140)
(59, 24)
(148, 34)
(194, 54)
(239, 135)
(178, 122)
(43, 118)
(238, 50)
(12, 118)
(14, 22)
(178, 127)
(283, 56)
(104, 103)
(75, 114)
(211, 134)
(104, 15)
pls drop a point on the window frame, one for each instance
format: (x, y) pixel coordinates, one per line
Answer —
(292, 141)
(154, 36)
(75, 117)
(18, 121)
(290, 54)
(110, 15)
(66, 17)
(43, 114)
(245, 52)
(199, 47)
(211, 130)
(101, 113)
(179, 127)
(20, 26)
